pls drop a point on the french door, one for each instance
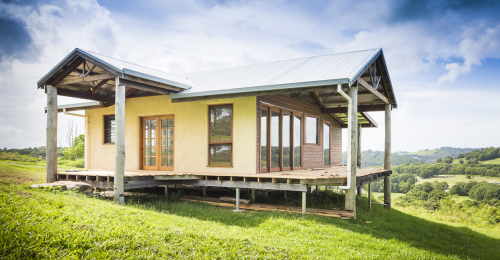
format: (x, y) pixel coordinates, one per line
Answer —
(158, 143)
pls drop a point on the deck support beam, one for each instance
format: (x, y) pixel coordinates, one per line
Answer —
(51, 152)
(369, 197)
(237, 200)
(253, 195)
(304, 200)
(350, 195)
(204, 191)
(120, 143)
(166, 190)
(387, 157)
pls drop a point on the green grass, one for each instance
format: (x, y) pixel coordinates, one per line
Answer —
(459, 178)
(62, 224)
(493, 161)
(422, 152)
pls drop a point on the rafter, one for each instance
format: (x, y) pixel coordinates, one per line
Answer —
(67, 70)
(84, 95)
(316, 98)
(85, 79)
(383, 83)
(372, 90)
(130, 91)
(361, 108)
(98, 86)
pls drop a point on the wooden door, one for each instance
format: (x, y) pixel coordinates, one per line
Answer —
(158, 143)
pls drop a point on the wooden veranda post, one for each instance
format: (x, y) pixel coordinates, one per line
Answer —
(387, 157)
(51, 152)
(120, 143)
(359, 146)
(350, 201)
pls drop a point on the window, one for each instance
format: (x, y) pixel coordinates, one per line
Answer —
(275, 139)
(109, 129)
(326, 145)
(297, 140)
(158, 143)
(263, 139)
(220, 135)
(287, 120)
(311, 130)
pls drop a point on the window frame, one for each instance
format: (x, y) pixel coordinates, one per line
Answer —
(210, 142)
(267, 109)
(158, 146)
(318, 124)
(329, 144)
(104, 129)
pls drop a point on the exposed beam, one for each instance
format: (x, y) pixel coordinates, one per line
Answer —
(383, 83)
(140, 86)
(316, 98)
(130, 91)
(67, 70)
(362, 125)
(361, 108)
(99, 85)
(151, 83)
(372, 90)
(107, 76)
(84, 95)
(361, 98)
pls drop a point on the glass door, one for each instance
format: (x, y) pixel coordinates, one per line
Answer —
(158, 143)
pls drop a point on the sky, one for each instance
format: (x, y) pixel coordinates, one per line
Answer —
(443, 57)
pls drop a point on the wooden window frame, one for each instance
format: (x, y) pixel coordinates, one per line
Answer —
(301, 115)
(290, 136)
(158, 146)
(220, 142)
(317, 130)
(329, 144)
(104, 128)
(268, 160)
(280, 144)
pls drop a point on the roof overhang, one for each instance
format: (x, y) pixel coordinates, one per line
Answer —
(78, 106)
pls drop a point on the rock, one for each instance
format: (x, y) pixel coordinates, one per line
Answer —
(78, 186)
(49, 185)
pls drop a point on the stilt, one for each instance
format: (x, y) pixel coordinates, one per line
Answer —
(204, 190)
(253, 195)
(166, 190)
(51, 152)
(285, 195)
(304, 197)
(369, 197)
(350, 196)
(317, 190)
(237, 200)
(387, 157)
(119, 143)
(359, 191)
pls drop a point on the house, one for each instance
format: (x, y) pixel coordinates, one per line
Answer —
(273, 126)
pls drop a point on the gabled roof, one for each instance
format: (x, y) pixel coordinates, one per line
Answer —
(340, 68)
(120, 67)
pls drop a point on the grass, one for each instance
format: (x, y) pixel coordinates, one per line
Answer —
(459, 178)
(62, 224)
(422, 152)
(492, 161)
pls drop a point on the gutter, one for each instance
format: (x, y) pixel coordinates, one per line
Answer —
(349, 126)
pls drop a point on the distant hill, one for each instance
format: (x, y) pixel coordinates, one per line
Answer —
(430, 156)
(371, 158)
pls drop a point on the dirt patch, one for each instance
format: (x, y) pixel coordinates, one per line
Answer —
(24, 193)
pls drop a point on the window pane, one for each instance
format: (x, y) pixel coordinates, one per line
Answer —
(221, 122)
(297, 140)
(170, 152)
(148, 161)
(153, 152)
(163, 161)
(148, 123)
(220, 154)
(164, 142)
(153, 133)
(263, 139)
(148, 134)
(170, 133)
(153, 161)
(164, 124)
(153, 142)
(275, 143)
(109, 129)
(148, 152)
(170, 123)
(311, 130)
(326, 144)
(153, 124)
(170, 162)
(164, 133)
(170, 143)
(148, 142)
(164, 152)
(286, 140)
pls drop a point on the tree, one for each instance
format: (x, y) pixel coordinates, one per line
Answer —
(438, 160)
(461, 161)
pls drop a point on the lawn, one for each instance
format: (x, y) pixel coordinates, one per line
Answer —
(493, 161)
(459, 178)
(63, 224)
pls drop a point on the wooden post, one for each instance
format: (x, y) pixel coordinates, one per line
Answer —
(120, 142)
(237, 200)
(350, 196)
(359, 146)
(369, 197)
(253, 195)
(204, 190)
(166, 190)
(285, 195)
(304, 197)
(87, 142)
(359, 191)
(51, 152)
(387, 157)
(317, 190)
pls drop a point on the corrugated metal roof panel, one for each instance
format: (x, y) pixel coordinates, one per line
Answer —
(279, 73)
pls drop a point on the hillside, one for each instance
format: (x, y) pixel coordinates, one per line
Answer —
(430, 156)
(62, 224)
(371, 158)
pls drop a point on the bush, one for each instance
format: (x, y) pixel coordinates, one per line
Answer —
(485, 191)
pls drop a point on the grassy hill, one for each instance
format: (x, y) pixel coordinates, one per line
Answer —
(493, 161)
(371, 158)
(63, 224)
(429, 156)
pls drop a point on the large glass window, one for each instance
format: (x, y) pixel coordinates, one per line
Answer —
(326, 144)
(286, 141)
(109, 129)
(297, 140)
(275, 139)
(263, 139)
(221, 135)
(311, 130)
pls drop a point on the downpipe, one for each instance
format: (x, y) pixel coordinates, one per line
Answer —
(349, 126)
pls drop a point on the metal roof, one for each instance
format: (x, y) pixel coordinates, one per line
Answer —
(131, 69)
(341, 68)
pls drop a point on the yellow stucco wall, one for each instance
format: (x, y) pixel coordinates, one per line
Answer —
(191, 134)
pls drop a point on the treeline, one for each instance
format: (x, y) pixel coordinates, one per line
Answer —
(484, 154)
(430, 170)
(35, 152)
(371, 158)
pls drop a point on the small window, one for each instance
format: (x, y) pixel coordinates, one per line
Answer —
(311, 130)
(109, 129)
(220, 135)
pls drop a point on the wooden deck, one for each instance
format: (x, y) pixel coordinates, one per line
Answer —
(285, 180)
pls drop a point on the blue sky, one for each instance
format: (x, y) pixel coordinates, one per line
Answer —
(443, 56)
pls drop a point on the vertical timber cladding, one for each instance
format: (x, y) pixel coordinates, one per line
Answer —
(312, 154)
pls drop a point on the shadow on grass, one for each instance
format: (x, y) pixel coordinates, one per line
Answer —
(385, 224)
